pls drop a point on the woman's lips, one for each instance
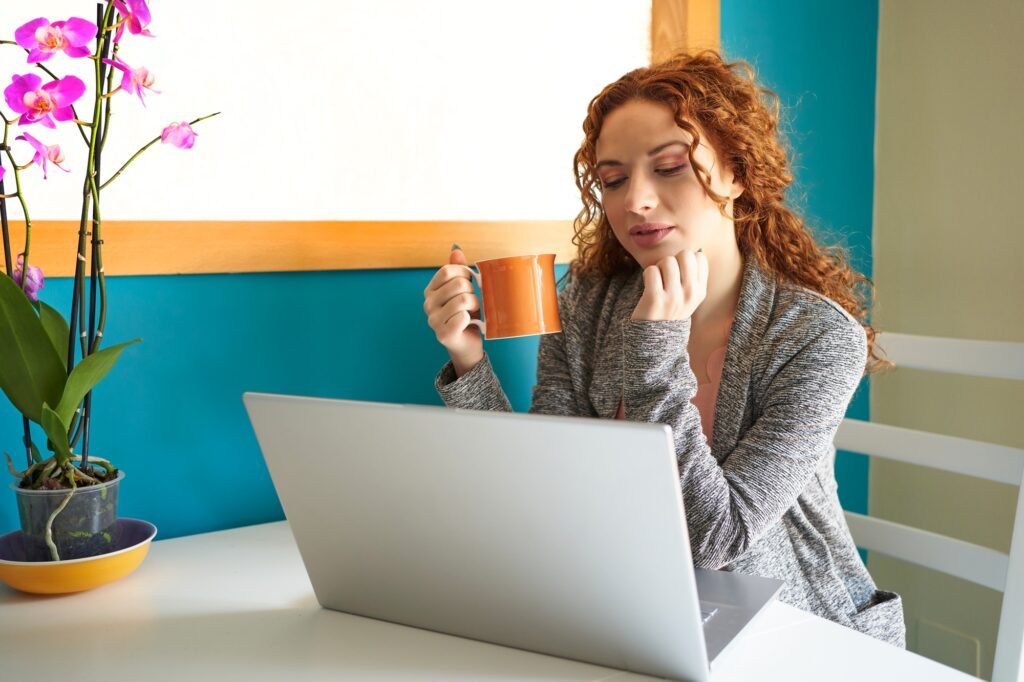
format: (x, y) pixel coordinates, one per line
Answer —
(647, 235)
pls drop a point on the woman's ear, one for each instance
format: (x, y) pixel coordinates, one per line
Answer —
(735, 190)
(734, 186)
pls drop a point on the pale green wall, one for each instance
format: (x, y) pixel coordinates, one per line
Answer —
(948, 239)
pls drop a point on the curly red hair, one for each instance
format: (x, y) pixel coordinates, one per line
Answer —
(741, 118)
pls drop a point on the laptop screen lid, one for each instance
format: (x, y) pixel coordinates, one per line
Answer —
(559, 535)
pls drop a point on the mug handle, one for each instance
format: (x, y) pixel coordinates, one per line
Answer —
(478, 279)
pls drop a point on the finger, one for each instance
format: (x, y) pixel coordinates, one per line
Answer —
(702, 268)
(457, 257)
(440, 277)
(467, 303)
(664, 268)
(457, 323)
(444, 274)
(670, 275)
(652, 280)
(687, 270)
(681, 260)
(448, 330)
(447, 291)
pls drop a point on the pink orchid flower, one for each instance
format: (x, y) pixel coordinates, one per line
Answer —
(180, 135)
(2, 171)
(43, 39)
(35, 278)
(39, 103)
(134, 81)
(134, 15)
(44, 153)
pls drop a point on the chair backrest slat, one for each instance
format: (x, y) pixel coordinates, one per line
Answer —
(998, 463)
(978, 564)
(998, 359)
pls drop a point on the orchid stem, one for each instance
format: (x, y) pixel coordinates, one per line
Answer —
(5, 227)
(106, 107)
(96, 278)
(90, 192)
(147, 146)
(24, 209)
(7, 256)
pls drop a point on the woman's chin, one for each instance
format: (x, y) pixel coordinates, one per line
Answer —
(649, 257)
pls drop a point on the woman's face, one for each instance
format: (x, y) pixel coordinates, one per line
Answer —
(650, 193)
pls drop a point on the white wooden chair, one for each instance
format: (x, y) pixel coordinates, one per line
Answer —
(981, 565)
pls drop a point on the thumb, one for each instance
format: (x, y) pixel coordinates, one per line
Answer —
(457, 257)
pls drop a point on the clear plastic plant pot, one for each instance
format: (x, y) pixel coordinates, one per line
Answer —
(80, 530)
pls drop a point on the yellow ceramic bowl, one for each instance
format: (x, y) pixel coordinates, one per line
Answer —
(132, 538)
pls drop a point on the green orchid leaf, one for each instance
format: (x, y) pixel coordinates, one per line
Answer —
(36, 457)
(31, 372)
(57, 431)
(86, 374)
(57, 329)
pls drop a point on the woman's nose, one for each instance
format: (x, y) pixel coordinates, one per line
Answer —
(641, 196)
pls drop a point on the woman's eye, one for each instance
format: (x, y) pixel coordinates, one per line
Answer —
(612, 184)
(672, 170)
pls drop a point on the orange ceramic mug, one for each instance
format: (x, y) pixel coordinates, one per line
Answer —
(519, 296)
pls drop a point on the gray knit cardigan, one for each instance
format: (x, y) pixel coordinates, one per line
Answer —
(763, 499)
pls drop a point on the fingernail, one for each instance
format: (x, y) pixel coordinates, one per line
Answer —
(456, 247)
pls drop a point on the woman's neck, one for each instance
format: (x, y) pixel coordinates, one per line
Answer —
(725, 276)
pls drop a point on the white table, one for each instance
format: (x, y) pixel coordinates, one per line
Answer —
(237, 604)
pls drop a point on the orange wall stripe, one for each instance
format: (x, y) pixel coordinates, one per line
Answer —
(684, 24)
(192, 247)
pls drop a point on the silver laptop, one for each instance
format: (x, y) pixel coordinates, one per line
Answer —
(564, 536)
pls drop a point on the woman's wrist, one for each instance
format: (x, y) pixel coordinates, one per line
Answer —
(464, 363)
(654, 352)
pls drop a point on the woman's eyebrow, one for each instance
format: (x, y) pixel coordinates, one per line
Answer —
(660, 147)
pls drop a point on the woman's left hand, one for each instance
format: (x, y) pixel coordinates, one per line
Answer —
(673, 287)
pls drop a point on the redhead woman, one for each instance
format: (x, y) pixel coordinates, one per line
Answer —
(698, 299)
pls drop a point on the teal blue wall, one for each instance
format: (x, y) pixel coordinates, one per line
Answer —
(170, 414)
(819, 57)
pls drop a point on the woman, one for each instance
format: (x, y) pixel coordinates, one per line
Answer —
(699, 300)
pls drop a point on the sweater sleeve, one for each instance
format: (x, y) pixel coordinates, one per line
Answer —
(553, 392)
(477, 389)
(730, 505)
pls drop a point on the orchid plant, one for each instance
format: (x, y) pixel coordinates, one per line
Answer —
(38, 368)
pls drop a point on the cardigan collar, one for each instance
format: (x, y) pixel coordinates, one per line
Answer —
(753, 311)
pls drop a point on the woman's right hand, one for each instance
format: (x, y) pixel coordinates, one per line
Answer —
(674, 287)
(450, 303)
